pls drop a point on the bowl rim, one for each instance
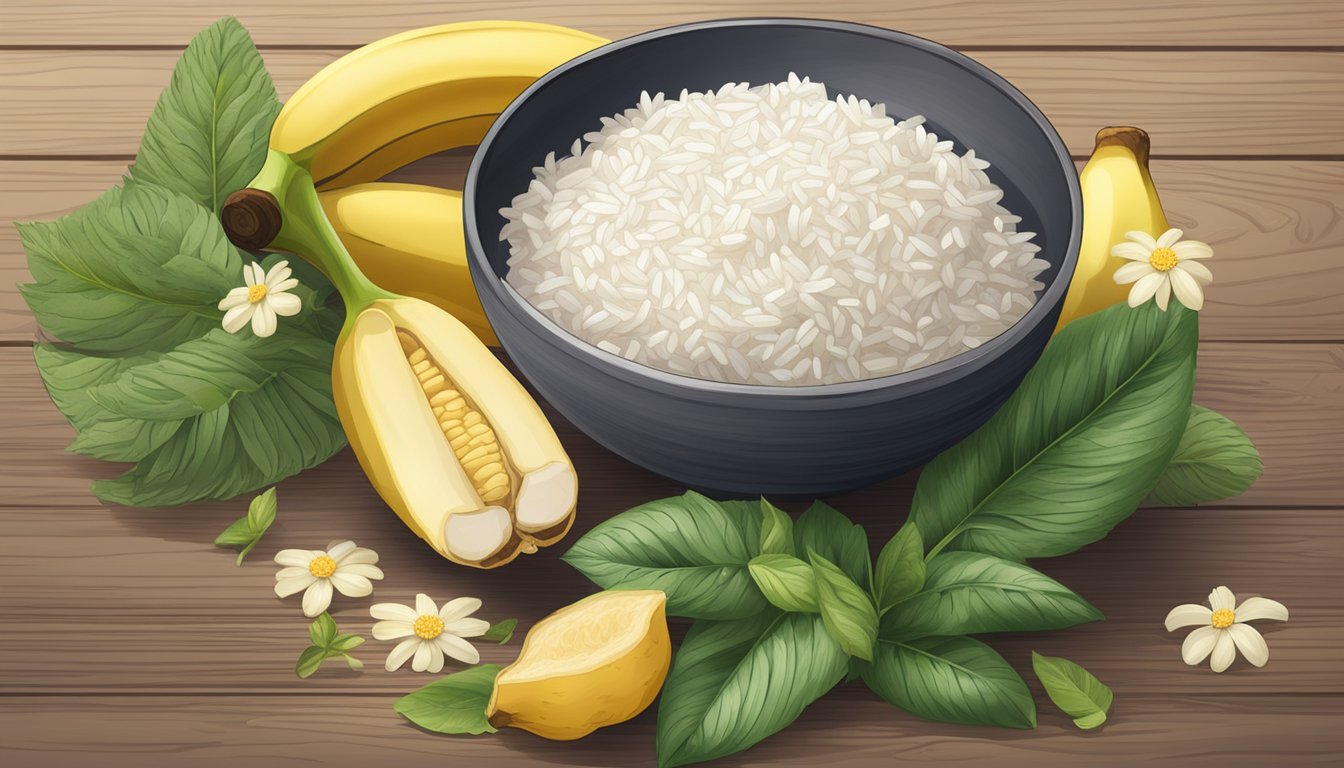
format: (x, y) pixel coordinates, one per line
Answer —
(971, 359)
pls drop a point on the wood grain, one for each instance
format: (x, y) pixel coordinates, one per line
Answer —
(848, 728)
(959, 22)
(1277, 228)
(1235, 103)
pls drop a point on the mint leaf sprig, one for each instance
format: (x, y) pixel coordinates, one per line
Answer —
(328, 642)
(247, 530)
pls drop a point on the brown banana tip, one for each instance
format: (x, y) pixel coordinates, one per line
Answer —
(1135, 139)
(251, 218)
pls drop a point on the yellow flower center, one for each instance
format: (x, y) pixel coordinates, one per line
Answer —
(256, 293)
(428, 626)
(1222, 618)
(322, 567)
(1163, 259)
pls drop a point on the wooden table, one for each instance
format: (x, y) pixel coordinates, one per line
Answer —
(127, 639)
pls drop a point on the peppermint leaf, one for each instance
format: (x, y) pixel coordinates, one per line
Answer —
(900, 568)
(776, 530)
(248, 530)
(309, 661)
(500, 632)
(846, 610)
(1073, 689)
(323, 630)
(830, 534)
(207, 135)
(952, 680)
(787, 582)
(455, 703)
(1214, 460)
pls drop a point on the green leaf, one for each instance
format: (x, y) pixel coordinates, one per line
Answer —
(345, 643)
(952, 680)
(351, 661)
(208, 134)
(733, 683)
(900, 567)
(776, 530)
(1073, 689)
(500, 632)
(1077, 445)
(310, 660)
(846, 610)
(971, 593)
(692, 548)
(323, 630)
(248, 530)
(455, 703)
(830, 534)
(1214, 460)
(787, 582)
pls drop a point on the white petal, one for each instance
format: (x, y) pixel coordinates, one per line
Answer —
(1199, 644)
(250, 277)
(1144, 289)
(1132, 271)
(1251, 644)
(317, 599)
(1196, 270)
(1257, 608)
(294, 585)
(1169, 238)
(1143, 239)
(351, 585)
(435, 657)
(277, 273)
(391, 630)
(1132, 251)
(422, 656)
(1163, 294)
(458, 648)
(339, 549)
(1187, 290)
(1192, 249)
(285, 304)
(424, 606)
(360, 569)
(300, 557)
(459, 607)
(263, 320)
(236, 318)
(282, 286)
(292, 571)
(401, 653)
(1224, 651)
(392, 612)
(233, 298)
(466, 627)
(1222, 599)
(358, 555)
(1188, 615)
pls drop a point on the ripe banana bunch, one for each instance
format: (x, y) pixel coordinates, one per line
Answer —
(1118, 197)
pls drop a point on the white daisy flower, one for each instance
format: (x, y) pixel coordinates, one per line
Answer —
(1222, 629)
(430, 633)
(261, 300)
(1163, 266)
(342, 566)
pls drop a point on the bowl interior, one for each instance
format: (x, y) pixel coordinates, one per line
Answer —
(962, 101)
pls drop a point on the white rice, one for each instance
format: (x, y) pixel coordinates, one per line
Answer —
(770, 235)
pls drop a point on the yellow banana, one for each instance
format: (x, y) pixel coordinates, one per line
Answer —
(410, 95)
(408, 239)
(1118, 197)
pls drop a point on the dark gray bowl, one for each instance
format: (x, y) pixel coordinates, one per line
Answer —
(753, 439)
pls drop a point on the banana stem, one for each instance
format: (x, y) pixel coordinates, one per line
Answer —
(280, 211)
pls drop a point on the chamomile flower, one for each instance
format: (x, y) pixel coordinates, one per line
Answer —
(1223, 629)
(261, 300)
(316, 572)
(1162, 267)
(428, 633)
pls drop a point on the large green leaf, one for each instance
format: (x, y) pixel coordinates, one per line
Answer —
(830, 534)
(733, 683)
(454, 703)
(1214, 460)
(692, 548)
(1076, 447)
(207, 135)
(952, 680)
(970, 593)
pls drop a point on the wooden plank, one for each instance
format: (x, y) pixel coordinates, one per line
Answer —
(1273, 225)
(960, 22)
(847, 728)
(1196, 102)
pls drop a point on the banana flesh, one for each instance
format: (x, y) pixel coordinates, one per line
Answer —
(409, 95)
(1118, 197)
(449, 439)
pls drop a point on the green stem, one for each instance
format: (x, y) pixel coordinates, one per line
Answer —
(305, 231)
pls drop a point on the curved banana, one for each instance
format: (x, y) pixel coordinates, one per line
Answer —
(408, 239)
(1118, 197)
(410, 95)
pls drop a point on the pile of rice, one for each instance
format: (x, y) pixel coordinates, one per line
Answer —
(770, 235)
